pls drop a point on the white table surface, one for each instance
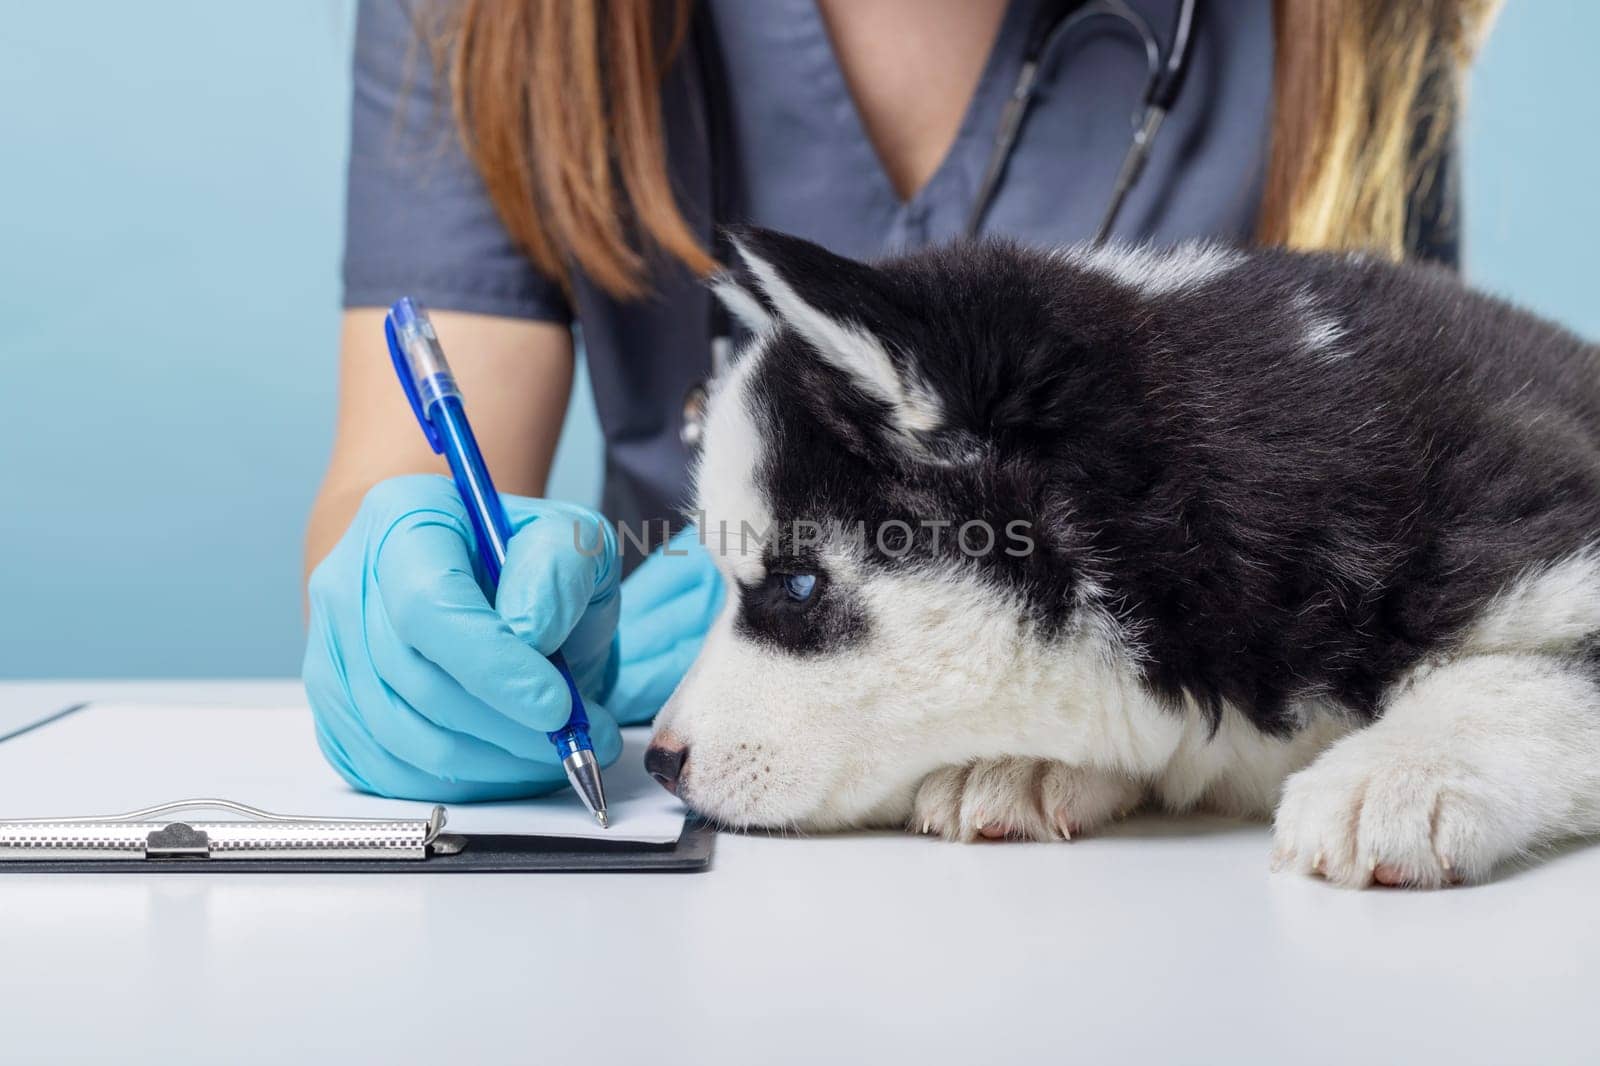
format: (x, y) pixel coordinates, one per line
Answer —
(1165, 941)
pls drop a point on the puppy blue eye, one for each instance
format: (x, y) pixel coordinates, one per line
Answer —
(799, 586)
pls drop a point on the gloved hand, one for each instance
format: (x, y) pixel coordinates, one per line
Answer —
(419, 687)
(668, 604)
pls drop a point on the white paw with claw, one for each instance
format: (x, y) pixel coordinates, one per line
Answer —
(1020, 799)
(1373, 812)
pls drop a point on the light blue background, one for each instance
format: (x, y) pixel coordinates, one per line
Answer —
(170, 187)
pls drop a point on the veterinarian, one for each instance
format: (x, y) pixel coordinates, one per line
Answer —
(535, 169)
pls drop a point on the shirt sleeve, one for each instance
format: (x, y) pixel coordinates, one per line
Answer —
(418, 219)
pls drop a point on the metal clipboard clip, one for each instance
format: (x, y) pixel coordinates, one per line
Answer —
(146, 834)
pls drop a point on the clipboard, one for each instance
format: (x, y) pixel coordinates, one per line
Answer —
(150, 842)
(217, 835)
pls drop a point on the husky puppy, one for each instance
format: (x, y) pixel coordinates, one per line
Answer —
(1017, 540)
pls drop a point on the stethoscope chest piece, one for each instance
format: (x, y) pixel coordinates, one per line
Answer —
(692, 430)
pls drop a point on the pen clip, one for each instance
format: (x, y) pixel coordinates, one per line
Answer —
(402, 367)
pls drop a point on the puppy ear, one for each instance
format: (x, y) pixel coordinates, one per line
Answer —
(842, 308)
(732, 289)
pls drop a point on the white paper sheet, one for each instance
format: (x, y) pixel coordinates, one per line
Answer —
(112, 758)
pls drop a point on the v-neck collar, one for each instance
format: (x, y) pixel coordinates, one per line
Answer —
(981, 114)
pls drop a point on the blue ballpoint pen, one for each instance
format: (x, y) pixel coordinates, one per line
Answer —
(436, 401)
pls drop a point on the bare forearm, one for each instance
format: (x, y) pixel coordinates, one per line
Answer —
(515, 374)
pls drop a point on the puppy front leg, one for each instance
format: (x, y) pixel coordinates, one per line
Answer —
(1020, 799)
(1473, 762)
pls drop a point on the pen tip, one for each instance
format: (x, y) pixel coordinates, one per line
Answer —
(605, 822)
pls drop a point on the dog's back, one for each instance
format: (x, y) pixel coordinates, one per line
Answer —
(1319, 467)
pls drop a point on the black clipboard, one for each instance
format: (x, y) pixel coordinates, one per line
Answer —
(482, 854)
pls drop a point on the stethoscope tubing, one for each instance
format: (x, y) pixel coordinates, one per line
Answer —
(1166, 74)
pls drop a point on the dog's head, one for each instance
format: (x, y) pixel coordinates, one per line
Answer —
(877, 487)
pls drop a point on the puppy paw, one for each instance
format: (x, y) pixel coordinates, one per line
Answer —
(1368, 812)
(1020, 799)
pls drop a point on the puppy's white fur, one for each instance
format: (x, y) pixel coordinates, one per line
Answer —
(725, 477)
(1474, 762)
(1549, 608)
(1321, 332)
(1477, 759)
(1156, 272)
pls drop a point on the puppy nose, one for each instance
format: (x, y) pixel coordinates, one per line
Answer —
(665, 759)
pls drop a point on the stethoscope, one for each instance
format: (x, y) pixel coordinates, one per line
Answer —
(1166, 71)
(1164, 81)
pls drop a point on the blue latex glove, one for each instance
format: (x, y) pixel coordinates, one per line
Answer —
(420, 688)
(668, 604)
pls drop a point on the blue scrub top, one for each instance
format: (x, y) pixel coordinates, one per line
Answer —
(420, 223)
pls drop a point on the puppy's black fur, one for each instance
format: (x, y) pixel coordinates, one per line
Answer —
(1271, 510)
